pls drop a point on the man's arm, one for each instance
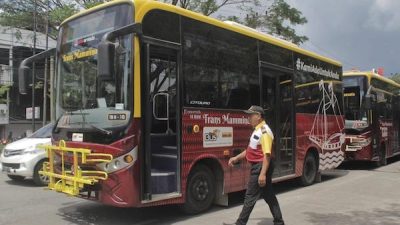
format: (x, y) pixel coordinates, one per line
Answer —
(266, 145)
(262, 178)
(237, 158)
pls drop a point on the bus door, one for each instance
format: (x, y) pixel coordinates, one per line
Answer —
(161, 152)
(277, 101)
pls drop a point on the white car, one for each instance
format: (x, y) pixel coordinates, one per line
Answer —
(23, 159)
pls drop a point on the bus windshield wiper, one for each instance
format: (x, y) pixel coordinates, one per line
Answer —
(103, 131)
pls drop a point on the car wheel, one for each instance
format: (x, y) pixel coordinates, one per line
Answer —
(40, 179)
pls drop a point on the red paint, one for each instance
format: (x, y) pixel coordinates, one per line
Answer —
(122, 188)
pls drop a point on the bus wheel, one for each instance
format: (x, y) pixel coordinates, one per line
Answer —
(382, 157)
(200, 190)
(38, 179)
(310, 170)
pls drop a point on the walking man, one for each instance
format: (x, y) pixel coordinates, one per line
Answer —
(259, 154)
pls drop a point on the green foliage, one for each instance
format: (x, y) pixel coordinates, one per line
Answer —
(3, 90)
(275, 17)
(20, 13)
(395, 77)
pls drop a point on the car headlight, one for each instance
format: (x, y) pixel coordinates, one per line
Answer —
(32, 150)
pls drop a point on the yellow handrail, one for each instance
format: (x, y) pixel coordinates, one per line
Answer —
(73, 180)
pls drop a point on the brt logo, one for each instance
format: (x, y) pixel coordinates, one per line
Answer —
(211, 136)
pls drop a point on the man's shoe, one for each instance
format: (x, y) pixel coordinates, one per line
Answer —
(279, 222)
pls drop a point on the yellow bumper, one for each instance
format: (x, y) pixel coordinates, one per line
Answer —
(71, 181)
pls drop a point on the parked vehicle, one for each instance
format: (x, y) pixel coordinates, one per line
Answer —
(160, 128)
(372, 106)
(22, 159)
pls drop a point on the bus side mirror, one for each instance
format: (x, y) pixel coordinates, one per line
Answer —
(23, 73)
(396, 103)
(106, 49)
(367, 101)
(161, 106)
(105, 60)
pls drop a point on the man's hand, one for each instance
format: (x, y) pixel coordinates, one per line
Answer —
(262, 180)
(232, 161)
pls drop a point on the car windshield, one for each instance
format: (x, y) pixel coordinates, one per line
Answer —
(82, 99)
(44, 132)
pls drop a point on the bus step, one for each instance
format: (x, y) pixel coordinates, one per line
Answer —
(163, 181)
(169, 149)
(164, 162)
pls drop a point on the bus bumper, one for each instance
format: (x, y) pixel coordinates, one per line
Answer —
(72, 180)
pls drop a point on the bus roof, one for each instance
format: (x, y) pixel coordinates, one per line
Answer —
(144, 6)
(370, 74)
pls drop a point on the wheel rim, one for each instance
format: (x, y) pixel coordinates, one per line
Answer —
(43, 178)
(200, 190)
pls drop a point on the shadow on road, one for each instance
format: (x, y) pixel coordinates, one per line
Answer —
(92, 213)
(23, 183)
(388, 216)
(365, 165)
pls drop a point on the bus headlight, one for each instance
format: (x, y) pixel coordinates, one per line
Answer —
(359, 141)
(119, 163)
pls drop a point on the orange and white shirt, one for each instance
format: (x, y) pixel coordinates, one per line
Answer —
(260, 143)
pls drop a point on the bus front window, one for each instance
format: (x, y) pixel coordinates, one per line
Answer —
(354, 91)
(83, 101)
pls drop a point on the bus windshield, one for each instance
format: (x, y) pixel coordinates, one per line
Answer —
(81, 98)
(354, 91)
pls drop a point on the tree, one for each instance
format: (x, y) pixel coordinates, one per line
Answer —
(3, 90)
(205, 7)
(395, 77)
(275, 17)
(19, 13)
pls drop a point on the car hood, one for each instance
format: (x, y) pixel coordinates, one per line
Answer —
(27, 142)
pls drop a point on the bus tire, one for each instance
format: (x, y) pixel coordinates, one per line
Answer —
(382, 156)
(39, 179)
(16, 177)
(200, 190)
(310, 170)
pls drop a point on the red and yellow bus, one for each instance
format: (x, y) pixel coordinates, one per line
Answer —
(150, 99)
(372, 115)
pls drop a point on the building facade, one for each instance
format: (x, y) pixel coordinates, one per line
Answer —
(15, 109)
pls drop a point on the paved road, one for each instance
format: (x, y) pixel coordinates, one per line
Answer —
(354, 195)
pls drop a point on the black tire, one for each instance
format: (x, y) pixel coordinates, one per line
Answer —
(38, 179)
(310, 170)
(200, 190)
(382, 157)
(16, 177)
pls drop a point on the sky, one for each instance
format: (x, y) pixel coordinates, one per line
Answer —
(362, 34)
